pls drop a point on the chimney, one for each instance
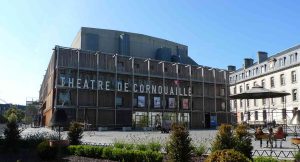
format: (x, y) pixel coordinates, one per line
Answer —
(262, 56)
(248, 62)
(231, 68)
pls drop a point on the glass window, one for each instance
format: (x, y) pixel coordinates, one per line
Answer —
(247, 86)
(272, 82)
(241, 89)
(242, 116)
(241, 103)
(254, 102)
(248, 103)
(263, 83)
(263, 101)
(264, 114)
(294, 77)
(294, 93)
(256, 115)
(249, 115)
(282, 80)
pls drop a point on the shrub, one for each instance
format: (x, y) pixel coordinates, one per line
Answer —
(224, 138)
(179, 146)
(32, 140)
(243, 142)
(46, 152)
(297, 156)
(75, 133)
(11, 134)
(129, 146)
(154, 146)
(265, 159)
(227, 156)
(107, 152)
(200, 150)
(119, 144)
(141, 147)
(154, 156)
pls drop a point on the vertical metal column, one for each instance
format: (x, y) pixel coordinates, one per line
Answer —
(77, 90)
(191, 97)
(178, 103)
(215, 94)
(116, 85)
(226, 94)
(148, 109)
(97, 104)
(203, 99)
(132, 90)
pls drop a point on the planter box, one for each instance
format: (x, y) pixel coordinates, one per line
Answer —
(56, 143)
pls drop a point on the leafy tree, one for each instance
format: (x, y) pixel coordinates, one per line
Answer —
(75, 133)
(19, 113)
(243, 142)
(238, 139)
(12, 134)
(224, 138)
(179, 146)
(227, 156)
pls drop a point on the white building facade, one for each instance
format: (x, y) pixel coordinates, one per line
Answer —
(279, 72)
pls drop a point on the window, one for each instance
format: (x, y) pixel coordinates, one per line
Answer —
(256, 115)
(294, 77)
(282, 80)
(265, 68)
(235, 103)
(254, 84)
(241, 103)
(263, 83)
(254, 102)
(272, 101)
(234, 90)
(294, 94)
(281, 62)
(292, 58)
(256, 70)
(136, 66)
(248, 103)
(241, 89)
(249, 115)
(264, 114)
(242, 116)
(282, 99)
(247, 86)
(263, 101)
(253, 72)
(272, 82)
(283, 113)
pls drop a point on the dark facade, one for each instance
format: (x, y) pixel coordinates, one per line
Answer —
(111, 90)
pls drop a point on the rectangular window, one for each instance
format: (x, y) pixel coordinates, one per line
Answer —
(263, 83)
(264, 115)
(254, 102)
(294, 94)
(242, 116)
(249, 115)
(254, 84)
(234, 90)
(263, 101)
(241, 103)
(241, 89)
(282, 80)
(272, 82)
(248, 103)
(235, 103)
(294, 77)
(247, 86)
(256, 115)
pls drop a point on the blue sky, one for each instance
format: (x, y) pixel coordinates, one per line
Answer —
(218, 33)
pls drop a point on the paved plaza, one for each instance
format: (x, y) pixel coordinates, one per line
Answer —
(198, 137)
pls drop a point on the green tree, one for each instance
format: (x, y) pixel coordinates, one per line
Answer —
(243, 142)
(179, 147)
(75, 133)
(30, 112)
(224, 138)
(13, 110)
(12, 134)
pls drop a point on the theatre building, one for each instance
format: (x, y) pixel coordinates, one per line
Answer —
(117, 79)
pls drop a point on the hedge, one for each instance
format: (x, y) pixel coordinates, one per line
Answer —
(114, 153)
